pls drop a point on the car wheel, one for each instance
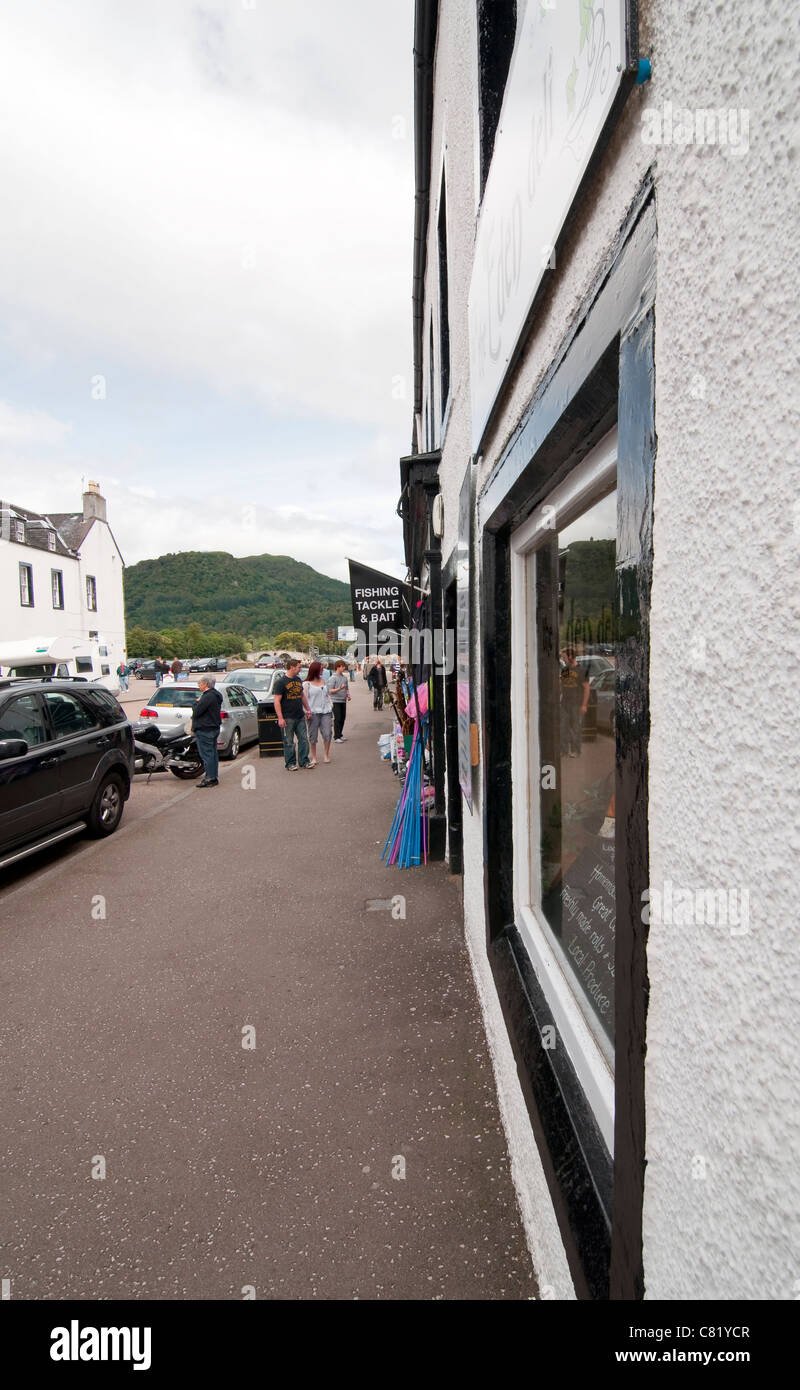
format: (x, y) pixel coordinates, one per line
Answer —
(234, 745)
(107, 807)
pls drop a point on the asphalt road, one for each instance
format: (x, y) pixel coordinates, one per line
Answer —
(132, 972)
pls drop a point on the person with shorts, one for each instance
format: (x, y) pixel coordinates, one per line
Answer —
(319, 702)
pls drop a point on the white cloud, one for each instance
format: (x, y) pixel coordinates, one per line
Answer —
(21, 427)
(214, 193)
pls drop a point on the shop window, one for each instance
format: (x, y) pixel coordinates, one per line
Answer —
(57, 586)
(565, 761)
(26, 586)
(444, 313)
(497, 30)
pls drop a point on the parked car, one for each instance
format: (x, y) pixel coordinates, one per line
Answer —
(173, 704)
(260, 682)
(146, 671)
(66, 762)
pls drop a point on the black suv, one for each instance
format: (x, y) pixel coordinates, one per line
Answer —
(66, 762)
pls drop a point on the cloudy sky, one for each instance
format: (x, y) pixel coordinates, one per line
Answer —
(205, 270)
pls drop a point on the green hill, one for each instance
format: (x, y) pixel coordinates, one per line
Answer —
(260, 593)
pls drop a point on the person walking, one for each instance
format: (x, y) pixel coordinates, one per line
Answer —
(123, 671)
(315, 688)
(176, 668)
(292, 708)
(339, 691)
(378, 682)
(206, 724)
(158, 670)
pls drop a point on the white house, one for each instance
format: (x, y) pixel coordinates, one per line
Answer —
(61, 582)
(601, 507)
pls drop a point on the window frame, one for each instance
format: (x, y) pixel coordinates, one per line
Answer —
(583, 486)
(60, 575)
(25, 568)
(91, 593)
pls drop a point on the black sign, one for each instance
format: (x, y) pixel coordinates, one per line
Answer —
(380, 603)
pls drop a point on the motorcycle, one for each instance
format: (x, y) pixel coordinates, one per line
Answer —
(155, 751)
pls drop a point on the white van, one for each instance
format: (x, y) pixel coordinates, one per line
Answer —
(38, 658)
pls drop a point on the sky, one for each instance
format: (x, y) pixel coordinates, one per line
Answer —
(205, 271)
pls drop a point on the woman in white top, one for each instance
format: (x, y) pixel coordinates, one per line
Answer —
(321, 708)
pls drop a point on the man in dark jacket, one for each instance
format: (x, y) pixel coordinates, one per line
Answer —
(377, 682)
(206, 722)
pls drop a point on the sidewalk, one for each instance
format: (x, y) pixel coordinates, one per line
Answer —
(278, 1166)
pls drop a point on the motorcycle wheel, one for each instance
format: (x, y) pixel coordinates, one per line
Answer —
(187, 774)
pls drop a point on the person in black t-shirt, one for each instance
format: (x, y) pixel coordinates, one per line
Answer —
(292, 707)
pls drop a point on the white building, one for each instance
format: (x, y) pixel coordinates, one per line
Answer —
(62, 590)
(603, 339)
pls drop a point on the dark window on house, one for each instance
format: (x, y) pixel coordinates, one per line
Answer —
(444, 316)
(91, 593)
(57, 585)
(26, 585)
(497, 28)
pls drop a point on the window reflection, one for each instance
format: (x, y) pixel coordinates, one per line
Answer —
(574, 668)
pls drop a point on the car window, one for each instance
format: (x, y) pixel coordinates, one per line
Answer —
(23, 718)
(68, 714)
(183, 697)
(249, 697)
(235, 696)
(105, 706)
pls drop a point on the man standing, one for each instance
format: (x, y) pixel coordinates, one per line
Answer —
(378, 682)
(291, 707)
(575, 691)
(338, 689)
(206, 723)
(123, 671)
(158, 670)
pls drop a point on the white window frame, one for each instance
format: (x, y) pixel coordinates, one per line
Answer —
(51, 540)
(30, 602)
(587, 483)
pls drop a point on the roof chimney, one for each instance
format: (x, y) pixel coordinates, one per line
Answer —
(94, 504)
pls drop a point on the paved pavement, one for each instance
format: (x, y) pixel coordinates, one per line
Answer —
(276, 1166)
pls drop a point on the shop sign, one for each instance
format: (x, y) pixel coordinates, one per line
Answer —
(380, 602)
(565, 75)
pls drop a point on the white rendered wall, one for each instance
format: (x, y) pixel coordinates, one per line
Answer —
(722, 1186)
(43, 620)
(100, 557)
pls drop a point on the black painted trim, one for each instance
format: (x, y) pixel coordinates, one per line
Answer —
(604, 373)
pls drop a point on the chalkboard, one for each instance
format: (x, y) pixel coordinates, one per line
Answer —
(581, 908)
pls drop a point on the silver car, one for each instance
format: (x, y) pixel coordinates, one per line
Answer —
(260, 682)
(173, 704)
